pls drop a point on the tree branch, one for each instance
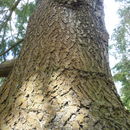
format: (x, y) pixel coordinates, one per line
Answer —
(6, 67)
(10, 14)
(11, 47)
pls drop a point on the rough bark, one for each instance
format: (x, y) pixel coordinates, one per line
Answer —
(62, 79)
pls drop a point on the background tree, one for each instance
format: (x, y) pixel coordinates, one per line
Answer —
(122, 51)
(14, 16)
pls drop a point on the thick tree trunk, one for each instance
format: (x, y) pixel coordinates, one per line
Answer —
(62, 80)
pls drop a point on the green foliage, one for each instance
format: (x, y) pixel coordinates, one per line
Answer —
(123, 75)
(14, 15)
(122, 45)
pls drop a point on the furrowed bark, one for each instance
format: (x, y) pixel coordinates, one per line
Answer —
(62, 79)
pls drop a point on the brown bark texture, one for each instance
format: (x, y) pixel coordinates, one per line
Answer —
(61, 80)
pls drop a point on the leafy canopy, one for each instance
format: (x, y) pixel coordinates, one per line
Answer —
(122, 46)
(14, 15)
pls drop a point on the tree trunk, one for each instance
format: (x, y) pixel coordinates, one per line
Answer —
(61, 80)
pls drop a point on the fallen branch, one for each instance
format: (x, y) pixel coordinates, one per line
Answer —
(6, 67)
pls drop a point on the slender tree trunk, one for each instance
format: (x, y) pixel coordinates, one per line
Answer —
(62, 80)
